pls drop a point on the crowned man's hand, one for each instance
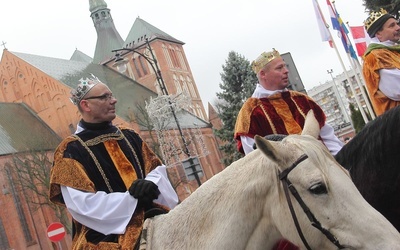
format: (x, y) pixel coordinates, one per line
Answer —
(145, 191)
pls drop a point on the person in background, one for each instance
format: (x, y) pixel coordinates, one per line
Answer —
(107, 176)
(381, 66)
(273, 109)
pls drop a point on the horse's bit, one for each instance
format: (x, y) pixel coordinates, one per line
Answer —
(287, 185)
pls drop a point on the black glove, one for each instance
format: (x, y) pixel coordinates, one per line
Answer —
(145, 191)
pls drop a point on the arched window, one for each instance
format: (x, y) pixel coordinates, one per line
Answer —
(177, 84)
(166, 55)
(185, 88)
(181, 59)
(174, 58)
(137, 67)
(199, 112)
(191, 87)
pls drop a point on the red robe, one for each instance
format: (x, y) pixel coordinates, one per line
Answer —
(281, 113)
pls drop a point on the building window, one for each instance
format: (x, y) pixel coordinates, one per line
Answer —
(166, 55)
(184, 86)
(135, 63)
(180, 56)
(142, 64)
(191, 87)
(174, 58)
(199, 111)
(18, 205)
(4, 244)
(177, 84)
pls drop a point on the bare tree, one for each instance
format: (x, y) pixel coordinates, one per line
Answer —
(28, 174)
(141, 117)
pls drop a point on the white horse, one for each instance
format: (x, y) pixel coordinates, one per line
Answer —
(245, 207)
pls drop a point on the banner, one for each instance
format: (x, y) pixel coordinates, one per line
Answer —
(360, 38)
(325, 36)
(337, 23)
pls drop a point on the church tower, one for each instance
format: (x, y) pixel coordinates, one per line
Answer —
(108, 37)
(171, 60)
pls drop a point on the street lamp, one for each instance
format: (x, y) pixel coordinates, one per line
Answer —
(120, 63)
(191, 165)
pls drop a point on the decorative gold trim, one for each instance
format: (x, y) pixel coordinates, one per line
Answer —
(96, 162)
(269, 119)
(102, 138)
(133, 152)
(298, 108)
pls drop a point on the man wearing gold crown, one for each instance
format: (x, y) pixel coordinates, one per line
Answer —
(106, 176)
(273, 109)
(381, 67)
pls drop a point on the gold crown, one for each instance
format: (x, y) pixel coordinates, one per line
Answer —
(264, 59)
(373, 17)
(83, 88)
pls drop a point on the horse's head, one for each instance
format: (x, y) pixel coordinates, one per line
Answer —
(245, 207)
(307, 170)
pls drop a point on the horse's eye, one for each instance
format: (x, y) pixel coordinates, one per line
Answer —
(318, 188)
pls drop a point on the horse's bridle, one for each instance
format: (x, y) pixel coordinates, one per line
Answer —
(287, 185)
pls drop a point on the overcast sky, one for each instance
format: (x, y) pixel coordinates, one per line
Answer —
(210, 29)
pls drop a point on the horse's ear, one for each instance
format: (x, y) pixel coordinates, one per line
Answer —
(311, 125)
(266, 147)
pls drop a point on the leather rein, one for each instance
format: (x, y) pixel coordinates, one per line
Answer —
(287, 185)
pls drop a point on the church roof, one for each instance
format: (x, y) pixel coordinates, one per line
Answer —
(23, 130)
(80, 57)
(129, 93)
(142, 29)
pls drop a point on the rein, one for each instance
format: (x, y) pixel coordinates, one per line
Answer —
(287, 185)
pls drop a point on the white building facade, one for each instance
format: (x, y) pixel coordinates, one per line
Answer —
(336, 95)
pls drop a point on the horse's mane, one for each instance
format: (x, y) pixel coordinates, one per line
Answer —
(372, 158)
(379, 139)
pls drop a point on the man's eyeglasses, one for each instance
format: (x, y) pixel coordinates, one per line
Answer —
(104, 97)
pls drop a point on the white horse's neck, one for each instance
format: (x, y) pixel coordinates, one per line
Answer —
(230, 215)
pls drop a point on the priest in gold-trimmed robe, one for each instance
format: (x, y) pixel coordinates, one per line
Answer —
(106, 176)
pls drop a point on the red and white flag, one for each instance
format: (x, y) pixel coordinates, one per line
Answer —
(361, 39)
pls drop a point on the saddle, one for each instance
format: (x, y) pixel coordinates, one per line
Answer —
(141, 243)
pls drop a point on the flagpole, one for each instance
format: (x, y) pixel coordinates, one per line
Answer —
(360, 85)
(347, 76)
(351, 85)
(357, 66)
